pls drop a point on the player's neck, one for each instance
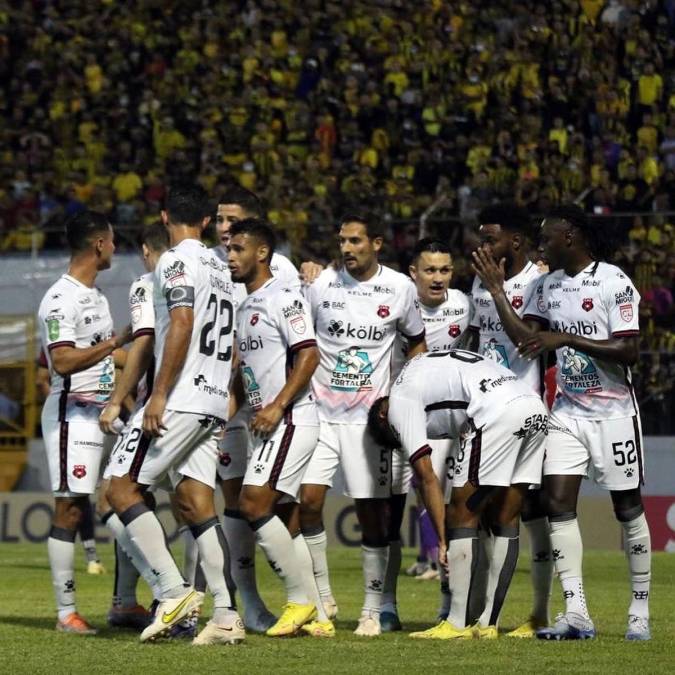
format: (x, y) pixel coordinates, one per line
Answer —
(579, 263)
(83, 271)
(261, 278)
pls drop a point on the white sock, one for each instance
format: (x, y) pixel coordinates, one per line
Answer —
(462, 561)
(90, 552)
(61, 551)
(374, 570)
(568, 552)
(241, 542)
(317, 542)
(147, 534)
(214, 558)
(502, 566)
(391, 578)
(275, 541)
(304, 559)
(541, 571)
(638, 547)
(126, 578)
(114, 524)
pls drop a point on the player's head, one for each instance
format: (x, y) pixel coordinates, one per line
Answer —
(378, 424)
(360, 237)
(154, 241)
(431, 270)
(505, 230)
(187, 205)
(252, 243)
(89, 233)
(567, 234)
(236, 203)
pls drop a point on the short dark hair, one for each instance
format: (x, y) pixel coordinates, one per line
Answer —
(600, 241)
(258, 228)
(155, 236)
(250, 202)
(82, 226)
(369, 219)
(509, 216)
(429, 245)
(187, 204)
(381, 432)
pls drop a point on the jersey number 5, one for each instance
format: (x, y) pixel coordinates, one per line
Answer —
(207, 345)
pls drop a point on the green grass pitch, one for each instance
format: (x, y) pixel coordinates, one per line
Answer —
(29, 643)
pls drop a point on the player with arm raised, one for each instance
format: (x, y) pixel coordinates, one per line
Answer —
(174, 435)
(357, 311)
(77, 335)
(590, 309)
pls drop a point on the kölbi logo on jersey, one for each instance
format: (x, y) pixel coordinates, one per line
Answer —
(336, 328)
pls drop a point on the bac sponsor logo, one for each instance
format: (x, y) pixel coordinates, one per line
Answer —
(579, 374)
(576, 328)
(587, 304)
(352, 370)
(337, 328)
(383, 311)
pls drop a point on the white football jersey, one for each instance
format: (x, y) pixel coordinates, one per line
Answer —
(598, 303)
(493, 341)
(142, 311)
(356, 323)
(72, 314)
(191, 275)
(273, 324)
(437, 394)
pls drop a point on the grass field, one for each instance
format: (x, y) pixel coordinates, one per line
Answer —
(29, 644)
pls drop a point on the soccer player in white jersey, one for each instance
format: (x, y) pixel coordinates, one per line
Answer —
(357, 311)
(591, 310)
(506, 235)
(446, 313)
(174, 435)
(278, 355)
(76, 330)
(502, 424)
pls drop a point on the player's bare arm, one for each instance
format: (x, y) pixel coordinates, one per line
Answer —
(68, 360)
(266, 420)
(492, 276)
(173, 358)
(138, 361)
(622, 350)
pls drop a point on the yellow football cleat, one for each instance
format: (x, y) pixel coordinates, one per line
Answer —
(444, 631)
(528, 630)
(485, 632)
(292, 619)
(319, 629)
(95, 567)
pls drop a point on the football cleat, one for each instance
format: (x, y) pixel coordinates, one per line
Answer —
(319, 629)
(485, 632)
(389, 622)
(231, 632)
(136, 617)
(75, 624)
(95, 567)
(369, 625)
(260, 621)
(638, 628)
(444, 631)
(330, 607)
(172, 611)
(527, 630)
(417, 568)
(570, 626)
(292, 619)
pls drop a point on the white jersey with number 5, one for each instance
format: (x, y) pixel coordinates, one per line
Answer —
(356, 323)
(599, 303)
(191, 275)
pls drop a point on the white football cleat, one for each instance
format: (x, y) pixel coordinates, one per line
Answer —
(171, 611)
(369, 625)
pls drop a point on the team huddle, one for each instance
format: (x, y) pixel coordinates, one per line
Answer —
(246, 376)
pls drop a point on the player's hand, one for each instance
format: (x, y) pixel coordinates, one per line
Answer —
(443, 555)
(152, 417)
(309, 271)
(542, 342)
(265, 421)
(124, 337)
(490, 273)
(107, 418)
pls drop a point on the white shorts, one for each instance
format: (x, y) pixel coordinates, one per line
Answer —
(365, 465)
(282, 459)
(609, 451)
(187, 448)
(442, 451)
(233, 453)
(74, 444)
(506, 451)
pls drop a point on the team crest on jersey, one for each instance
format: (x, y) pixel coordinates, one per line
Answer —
(298, 325)
(383, 311)
(626, 312)
(454, 330)
(352, 370)
(587, 304)
(254, 319)
(79, 471)
(517, 301)
(496, 352)
(579, 374)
